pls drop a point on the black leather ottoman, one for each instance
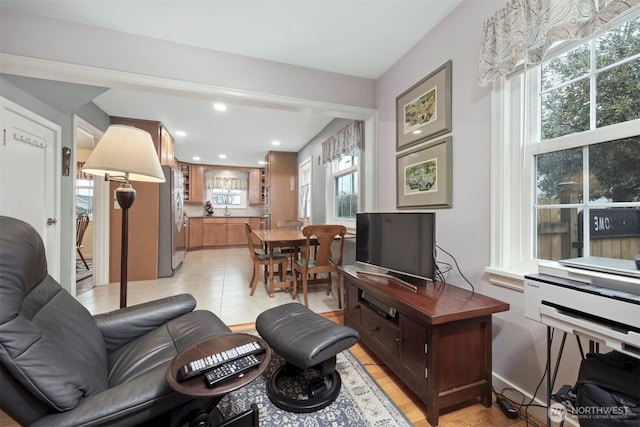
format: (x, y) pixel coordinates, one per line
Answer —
(309, 343)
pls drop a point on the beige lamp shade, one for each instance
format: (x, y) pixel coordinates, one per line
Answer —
(125, 152)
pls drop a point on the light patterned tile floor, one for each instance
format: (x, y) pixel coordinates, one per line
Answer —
(219, 280)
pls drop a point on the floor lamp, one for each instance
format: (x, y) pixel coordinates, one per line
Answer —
(125, 154)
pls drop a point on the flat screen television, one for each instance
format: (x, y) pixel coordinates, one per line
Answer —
(400, 244)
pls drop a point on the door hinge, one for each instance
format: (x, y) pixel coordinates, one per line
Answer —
(425, 348)
(426, 373)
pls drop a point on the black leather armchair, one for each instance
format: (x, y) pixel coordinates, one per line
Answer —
(61, 366)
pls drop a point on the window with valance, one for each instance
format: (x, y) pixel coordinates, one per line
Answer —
(341, 154)
(226, 188)
(523, 31)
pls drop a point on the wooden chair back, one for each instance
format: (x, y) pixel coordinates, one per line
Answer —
(247, 229)
(322, 237)
(82, 222)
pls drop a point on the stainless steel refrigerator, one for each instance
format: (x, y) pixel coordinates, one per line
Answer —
(171, 232)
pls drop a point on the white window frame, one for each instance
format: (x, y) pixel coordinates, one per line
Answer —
(302, 169)
(330, 191)
(513, 170)
(91, 187)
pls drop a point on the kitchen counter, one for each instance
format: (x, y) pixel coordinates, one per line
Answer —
(211, 231)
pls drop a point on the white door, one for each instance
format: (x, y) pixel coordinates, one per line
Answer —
(29, 178)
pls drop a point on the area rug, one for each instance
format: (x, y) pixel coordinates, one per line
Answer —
(81, 271)
(361, 401)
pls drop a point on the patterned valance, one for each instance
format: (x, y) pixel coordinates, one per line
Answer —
(523, 30)
(226, 180)
(343, 142)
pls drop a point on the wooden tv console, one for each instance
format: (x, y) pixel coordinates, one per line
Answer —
(438, 343)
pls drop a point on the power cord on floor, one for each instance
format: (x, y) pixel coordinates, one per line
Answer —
(504, 403)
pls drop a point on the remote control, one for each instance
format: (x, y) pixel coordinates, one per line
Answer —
(231, 370)
(200, 366)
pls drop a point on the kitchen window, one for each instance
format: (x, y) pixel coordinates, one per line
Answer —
(226, 189)
(566, 153)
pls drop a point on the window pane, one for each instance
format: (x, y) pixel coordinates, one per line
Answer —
(564, 68)
(346, 196)
(565, 110)
(220, 197)
(618, 44)
(617, 92)
(84, 201)
(347, 161)
(614, 168)
(614, 232)
(559, 177)
(558, 236)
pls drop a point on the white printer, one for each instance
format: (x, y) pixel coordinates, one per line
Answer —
(601, 306)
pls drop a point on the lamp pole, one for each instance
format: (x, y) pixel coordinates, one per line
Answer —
(125, 195)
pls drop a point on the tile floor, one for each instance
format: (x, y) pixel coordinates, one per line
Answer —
(219, 280)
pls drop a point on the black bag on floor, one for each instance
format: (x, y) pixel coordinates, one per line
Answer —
(608, 390)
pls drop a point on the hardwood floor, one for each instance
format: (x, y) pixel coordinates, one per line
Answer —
(230, 267)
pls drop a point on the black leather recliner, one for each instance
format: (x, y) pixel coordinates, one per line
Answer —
(60, 366)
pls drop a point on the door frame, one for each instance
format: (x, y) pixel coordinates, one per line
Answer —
(100, 250)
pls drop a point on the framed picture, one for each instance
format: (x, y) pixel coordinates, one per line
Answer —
(424, 176)
(424, 110)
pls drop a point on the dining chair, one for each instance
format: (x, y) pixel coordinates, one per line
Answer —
(322, 237)
(82, 222)
(264, 259)
(289, 224)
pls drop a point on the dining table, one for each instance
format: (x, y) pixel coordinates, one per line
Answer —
(274, 238)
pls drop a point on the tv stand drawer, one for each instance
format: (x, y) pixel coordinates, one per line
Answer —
(384, 331)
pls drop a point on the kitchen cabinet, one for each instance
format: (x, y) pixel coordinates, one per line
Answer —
(235, 231)
(256, 186)
(281, 186)
(214, 232)
(193, 183)
(195, 232)
(220, 231)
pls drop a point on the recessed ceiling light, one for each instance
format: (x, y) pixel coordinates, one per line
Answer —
(219, 107)
(415, 132)
(261, 162)
(181, 133)
(222, 156)
(196, 158)
(275, 142)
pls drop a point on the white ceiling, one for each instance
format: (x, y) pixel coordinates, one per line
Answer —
(362, 38)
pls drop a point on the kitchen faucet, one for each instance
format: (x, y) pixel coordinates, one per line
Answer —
(226, 211)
